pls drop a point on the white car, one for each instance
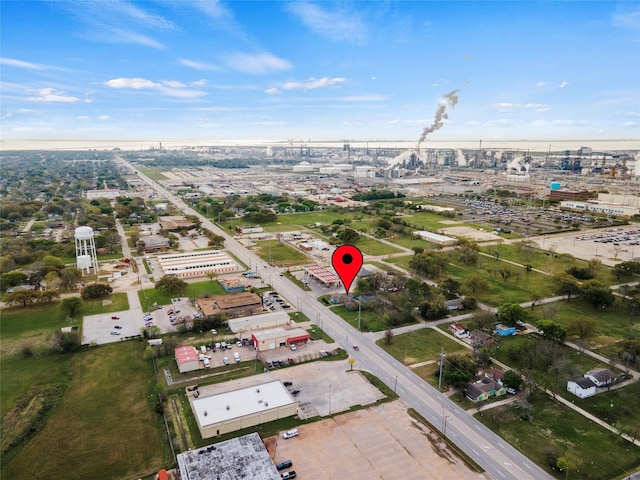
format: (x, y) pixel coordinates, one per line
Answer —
(291, 433)
(293, 347)
(238, 343)
(226, 360)
(115, 332)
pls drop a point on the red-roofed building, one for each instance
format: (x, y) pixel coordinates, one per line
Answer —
(187, 359)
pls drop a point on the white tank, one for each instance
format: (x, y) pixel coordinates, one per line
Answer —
(83, 233)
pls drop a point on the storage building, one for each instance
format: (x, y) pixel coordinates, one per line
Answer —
(187, 359)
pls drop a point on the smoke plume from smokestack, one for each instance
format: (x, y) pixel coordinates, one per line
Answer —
(450, 100)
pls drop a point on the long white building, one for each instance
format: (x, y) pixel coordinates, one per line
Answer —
(197, 264)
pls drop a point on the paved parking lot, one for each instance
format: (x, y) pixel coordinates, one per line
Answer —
(380, 442)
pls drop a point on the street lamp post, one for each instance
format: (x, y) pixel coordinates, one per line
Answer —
(359, 313)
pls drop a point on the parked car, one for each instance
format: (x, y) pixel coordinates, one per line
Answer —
(285, 305)
(115, 317)
(287, 383)
(118, 327)
(284, 464)
(293, 347)
(159, 307)
(238, 343)
(226, 360)
(291, 433)
(294, 391)
(115, 332)
(356, 348)
(214, 332)
(148, 324)
(291, 474)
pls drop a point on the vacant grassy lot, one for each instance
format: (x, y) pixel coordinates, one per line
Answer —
(152, 296)
(280, 254)
(551, 430)
(34, 325)
(420, 346)
(104, 426)
(370, 320)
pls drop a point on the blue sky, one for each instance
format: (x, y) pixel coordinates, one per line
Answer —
(187, 69)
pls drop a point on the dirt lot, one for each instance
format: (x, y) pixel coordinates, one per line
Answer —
(382, 442)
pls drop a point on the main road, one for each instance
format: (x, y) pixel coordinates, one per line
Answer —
(493, 454)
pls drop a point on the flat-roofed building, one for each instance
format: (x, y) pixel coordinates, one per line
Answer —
(278, 337)
(242, 408)
(240, 457)
(187, 359)
(233, 305)
(197, 264)
(435, 238)
(259, 322)
(105, 193)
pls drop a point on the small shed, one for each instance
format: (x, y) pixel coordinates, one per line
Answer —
(187, 359)
(581, 387)
(504, 330)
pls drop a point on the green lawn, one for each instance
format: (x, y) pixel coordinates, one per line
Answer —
(34, 325)
(151, 296)
(554, 430)
(420, 346)
(281, 254)
(370, 320)
(369, 246)
(104, 426)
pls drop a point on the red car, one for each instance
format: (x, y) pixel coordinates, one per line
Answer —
(356, 348)
(115, 317)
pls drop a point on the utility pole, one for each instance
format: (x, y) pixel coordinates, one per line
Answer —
(440, 375)
(359, 313)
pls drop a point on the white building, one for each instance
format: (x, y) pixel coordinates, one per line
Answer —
(197, 264)
(435, 238)
(106, 193)
(187, 359)
(581, 387)
(259, 322)
(242, 408)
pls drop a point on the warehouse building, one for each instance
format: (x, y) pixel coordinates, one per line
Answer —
(278, 337)
(234, 305)
(187, 359)
(259, 322)
(242, 408)
(240, 457)
(197, 264)
(435, 238)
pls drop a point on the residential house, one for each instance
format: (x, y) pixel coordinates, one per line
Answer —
(459, 330)
(494, 374)
(601, 377)
(581, 387)
(480, 339)
(455, 304)
(483, 389)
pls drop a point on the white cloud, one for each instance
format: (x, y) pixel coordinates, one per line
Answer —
(627, 19)
(313, 83)
(173, 84)
(541, 84)
(632, 114)
(506, 107)
(198, 83)
(199, 65)
(258, 63)
(12, 62)
(336, 25)
(83, 117)
(171, 88)
(564, 84)
(104, 117)
(135, 83)
(273, 91)
(52, 95)
(629, 124)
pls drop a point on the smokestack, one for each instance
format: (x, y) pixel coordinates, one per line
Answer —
(450, 100)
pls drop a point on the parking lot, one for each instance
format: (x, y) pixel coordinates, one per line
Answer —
(380, 442)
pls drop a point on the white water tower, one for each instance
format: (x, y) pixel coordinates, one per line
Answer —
(86, 257)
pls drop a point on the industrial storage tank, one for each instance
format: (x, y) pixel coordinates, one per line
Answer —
(555, 185)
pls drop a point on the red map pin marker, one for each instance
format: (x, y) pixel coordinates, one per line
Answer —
(346, 261)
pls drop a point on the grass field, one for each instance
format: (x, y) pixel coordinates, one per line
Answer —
(420, 346)
(103, 427)
(554, 430)
(34, 325)
(281, 254)
(370, 320)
